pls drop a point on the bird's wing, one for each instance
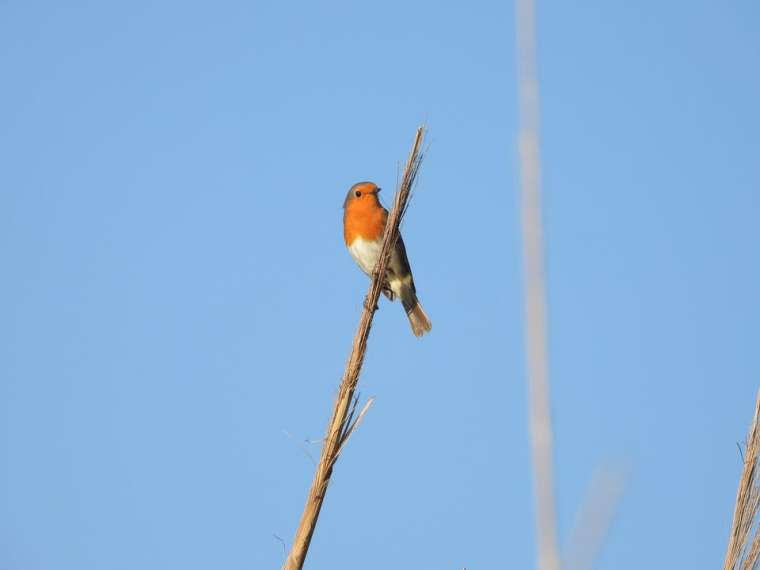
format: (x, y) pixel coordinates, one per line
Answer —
(400, 262)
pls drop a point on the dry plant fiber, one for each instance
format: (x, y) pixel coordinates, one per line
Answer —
(743, 544)
(344, 419)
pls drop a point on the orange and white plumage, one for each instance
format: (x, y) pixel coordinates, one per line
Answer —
(364, 221)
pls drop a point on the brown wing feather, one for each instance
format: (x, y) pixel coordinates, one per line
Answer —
(403, 262)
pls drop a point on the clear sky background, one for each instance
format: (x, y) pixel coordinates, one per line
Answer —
(177, 306)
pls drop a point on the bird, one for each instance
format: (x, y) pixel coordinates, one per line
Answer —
(364, 220)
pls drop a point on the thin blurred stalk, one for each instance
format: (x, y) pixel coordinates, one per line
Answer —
(594, 519)
(535, 295)
(344, 419)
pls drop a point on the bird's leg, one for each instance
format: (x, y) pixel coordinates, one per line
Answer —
(366, 304)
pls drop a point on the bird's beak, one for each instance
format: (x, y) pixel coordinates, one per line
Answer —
(378, 191)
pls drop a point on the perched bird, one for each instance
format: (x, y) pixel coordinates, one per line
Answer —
(363, 226)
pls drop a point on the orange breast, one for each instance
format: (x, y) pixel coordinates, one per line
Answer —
(363, 218)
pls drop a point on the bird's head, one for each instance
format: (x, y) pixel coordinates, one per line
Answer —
(364, 193)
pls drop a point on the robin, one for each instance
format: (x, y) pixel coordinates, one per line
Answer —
(363, 226)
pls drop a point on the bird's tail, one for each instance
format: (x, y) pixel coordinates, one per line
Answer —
(417, 316)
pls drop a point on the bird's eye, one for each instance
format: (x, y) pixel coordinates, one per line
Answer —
(358, 193)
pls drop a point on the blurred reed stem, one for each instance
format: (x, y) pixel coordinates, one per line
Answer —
(535, 294)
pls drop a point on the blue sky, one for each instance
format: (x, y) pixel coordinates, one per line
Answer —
(177, 304)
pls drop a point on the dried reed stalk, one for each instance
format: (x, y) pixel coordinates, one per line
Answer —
(344, 420)
(535, 295)
(743, 553)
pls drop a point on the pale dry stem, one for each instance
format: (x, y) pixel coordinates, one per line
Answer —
(342, 423)
(535, 295)
(743, 551)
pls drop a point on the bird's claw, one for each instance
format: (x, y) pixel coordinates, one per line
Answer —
(366, 304)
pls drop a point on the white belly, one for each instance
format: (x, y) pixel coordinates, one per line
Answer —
(365, 253)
